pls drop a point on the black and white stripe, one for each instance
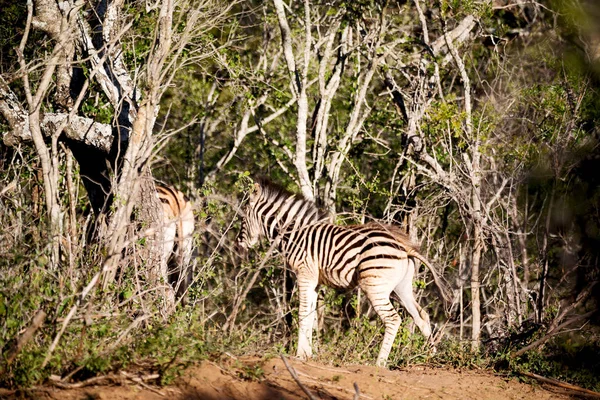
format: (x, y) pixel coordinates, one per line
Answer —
(376, 257)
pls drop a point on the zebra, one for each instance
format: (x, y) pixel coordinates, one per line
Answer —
(376, 257)
(177, 239)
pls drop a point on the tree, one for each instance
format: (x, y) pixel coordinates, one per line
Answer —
(91, 53)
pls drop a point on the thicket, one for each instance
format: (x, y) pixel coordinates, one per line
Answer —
(483, 145)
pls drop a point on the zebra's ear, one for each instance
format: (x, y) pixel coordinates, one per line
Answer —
(256, 190)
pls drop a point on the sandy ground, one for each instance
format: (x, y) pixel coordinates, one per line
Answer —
(271, 380)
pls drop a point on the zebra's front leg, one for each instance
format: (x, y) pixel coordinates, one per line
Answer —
(306, 315)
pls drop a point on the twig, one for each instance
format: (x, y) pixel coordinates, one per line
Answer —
(230, 323)
(558, 383)
(67, 377)
(124, 334)
(295, 376)
(56, 381)
(59, 334)
(71, 314)
(140, 380)
(223, 370)
(92, 317)
(170, 363)
(341, 389)
(8, 187)
(439, 335)
(96, 380)
(356, 392)
(325, 368)
(551, 333)
(36, 323)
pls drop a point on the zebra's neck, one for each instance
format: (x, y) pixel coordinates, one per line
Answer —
(285, 214)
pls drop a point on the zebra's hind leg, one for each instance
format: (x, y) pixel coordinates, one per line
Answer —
(405, 293)
(380, 300)
(306, 315)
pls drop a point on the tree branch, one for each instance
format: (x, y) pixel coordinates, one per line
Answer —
(286, 41)
(36, 323)
(77, 128)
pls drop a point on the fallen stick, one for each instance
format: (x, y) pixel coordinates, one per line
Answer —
(96, 380)
(99, 380)
(140, 381)
(356, 392)
(561, 384)
(295, 376)
(326, 368)
(329, 385)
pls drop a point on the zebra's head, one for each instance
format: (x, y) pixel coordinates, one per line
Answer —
(271, 210)
(252, 229)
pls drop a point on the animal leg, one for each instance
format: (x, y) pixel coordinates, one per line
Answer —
(380, 300)
(405, 293)
(306, 315)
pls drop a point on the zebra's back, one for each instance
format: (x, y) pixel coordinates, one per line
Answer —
(345, 255)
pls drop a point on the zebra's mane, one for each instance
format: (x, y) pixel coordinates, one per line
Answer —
(274, 192)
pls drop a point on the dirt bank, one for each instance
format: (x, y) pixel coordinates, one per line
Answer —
(269, 380)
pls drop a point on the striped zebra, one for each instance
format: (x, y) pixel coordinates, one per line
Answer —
(177, 238)
(377, 258)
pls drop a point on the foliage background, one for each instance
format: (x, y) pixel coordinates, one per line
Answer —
(534, 78)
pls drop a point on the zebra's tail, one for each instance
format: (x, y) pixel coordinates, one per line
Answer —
(412, 250)
(439, 281)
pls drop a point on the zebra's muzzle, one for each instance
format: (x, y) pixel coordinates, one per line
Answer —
(242, 249)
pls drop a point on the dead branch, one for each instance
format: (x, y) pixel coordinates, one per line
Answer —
(295, 376)
(77, 128)
(456, 36)
(71, 314)
(36, 323)
(555, 328)
(59, 334)
(230, 323)
(560, 384)
(336, 370)
(12, 185)
(356, 392)
(551, 333)
(56, 380)
(140, 380)
(339, 388)
(104, 379)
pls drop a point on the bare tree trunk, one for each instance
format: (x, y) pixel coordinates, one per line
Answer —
(299, 82)
(359, 113)
(520, 227)
(48, 157)
(135, 186)
(475, 286)
(327, 90)
(72, 215)
(474, 172)
(544, 258)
